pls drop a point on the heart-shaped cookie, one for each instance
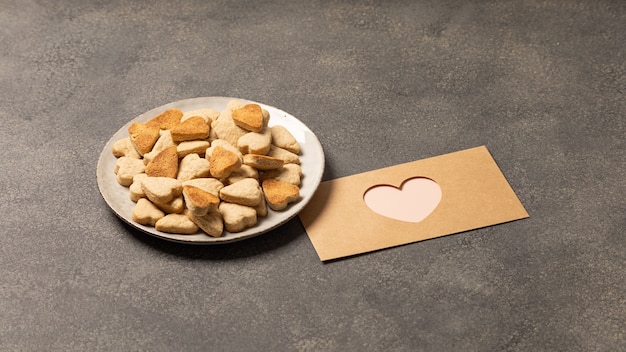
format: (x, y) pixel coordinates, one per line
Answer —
(143, 136)
(223, 162)
(415, 199)
(126, 168)
(164, 164)
(279, 194)
(191, 129)
(249, 117)
(168, 119)
(193, 166)
(161, 189)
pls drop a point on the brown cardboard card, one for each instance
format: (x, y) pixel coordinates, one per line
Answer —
(410, 202)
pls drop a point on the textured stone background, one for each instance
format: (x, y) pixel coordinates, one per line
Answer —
(541, 83)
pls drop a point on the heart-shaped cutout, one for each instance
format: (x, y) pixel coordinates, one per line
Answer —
(415, 199)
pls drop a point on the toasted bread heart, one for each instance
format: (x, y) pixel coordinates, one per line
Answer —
(167, 119)
(211, 223)
(193, 128)
(279, 194)
(164, 164)
(161, 189)
(143, 136)
(249, 117)
(176, 223)
(222, 162)
(245, 192)
(262, 162)
(198, 201)
(146, 213)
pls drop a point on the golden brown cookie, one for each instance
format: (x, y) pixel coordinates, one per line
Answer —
(223, 162)
(193, 128)
(143, 136)
(279, 194)
(164, 164)
(224, 144)
(249, 117)
(167, 119)
(164, 141)
(199, 201)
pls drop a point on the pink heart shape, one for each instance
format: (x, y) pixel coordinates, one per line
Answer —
(415, 199)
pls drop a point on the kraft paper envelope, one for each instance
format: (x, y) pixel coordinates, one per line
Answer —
(461, 191)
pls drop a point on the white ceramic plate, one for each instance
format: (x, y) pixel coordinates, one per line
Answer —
(311, 158)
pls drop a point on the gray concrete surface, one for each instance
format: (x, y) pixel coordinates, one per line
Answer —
(541, 83)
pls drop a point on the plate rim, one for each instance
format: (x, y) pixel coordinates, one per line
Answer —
(313, 145)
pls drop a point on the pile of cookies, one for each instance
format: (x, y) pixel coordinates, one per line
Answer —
(208, 170)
